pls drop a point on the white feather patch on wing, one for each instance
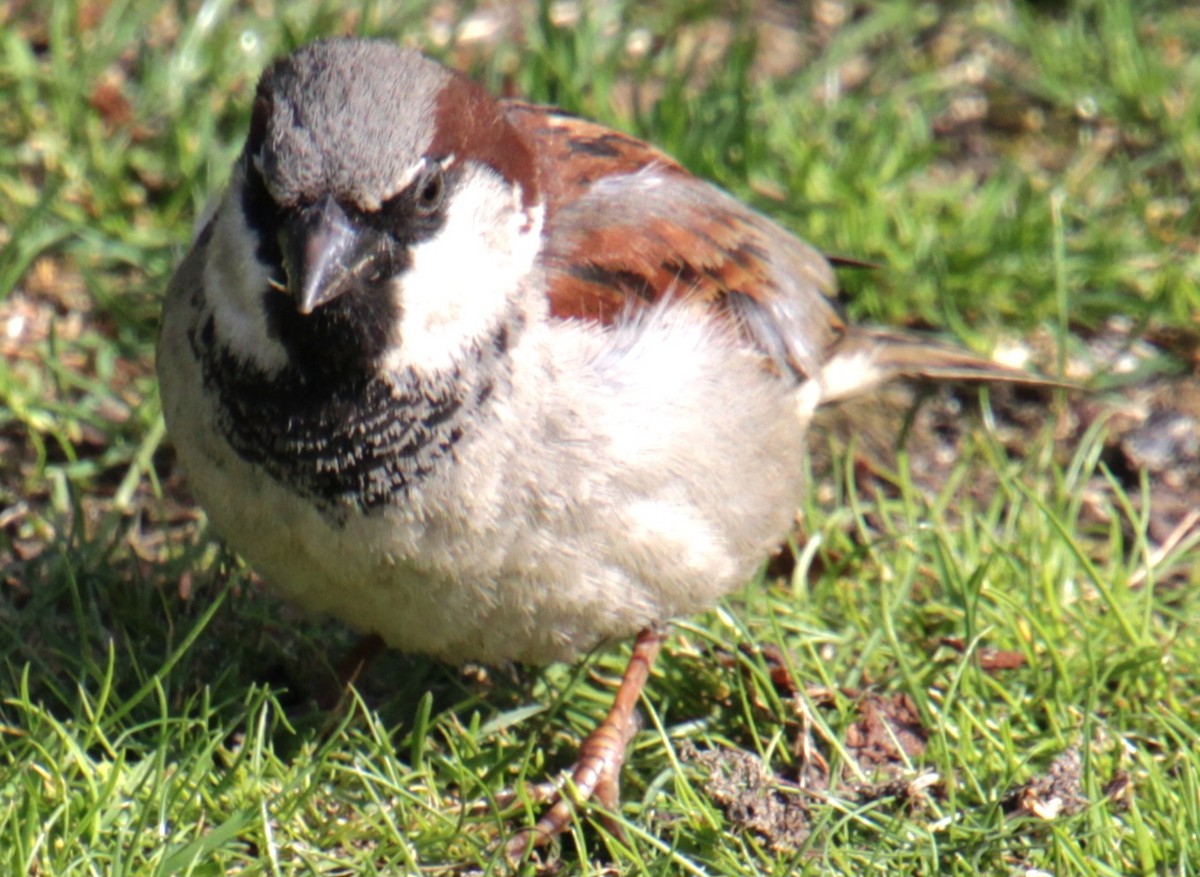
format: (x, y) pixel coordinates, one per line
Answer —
(849, 373)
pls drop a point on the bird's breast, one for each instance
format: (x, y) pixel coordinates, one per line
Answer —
(354, 441)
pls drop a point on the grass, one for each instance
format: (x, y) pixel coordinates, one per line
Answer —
(1022, 170)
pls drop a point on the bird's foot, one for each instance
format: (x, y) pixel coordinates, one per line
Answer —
(597, 773)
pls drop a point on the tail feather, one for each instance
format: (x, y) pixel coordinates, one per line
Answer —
(867, 358)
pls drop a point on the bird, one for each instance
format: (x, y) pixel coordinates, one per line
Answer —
(495, 383)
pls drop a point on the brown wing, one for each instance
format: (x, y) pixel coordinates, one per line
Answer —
(626, 226)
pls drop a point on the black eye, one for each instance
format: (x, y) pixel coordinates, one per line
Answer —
(430, 190)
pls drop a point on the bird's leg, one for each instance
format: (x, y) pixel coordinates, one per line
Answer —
(597, 772)
(349, 669)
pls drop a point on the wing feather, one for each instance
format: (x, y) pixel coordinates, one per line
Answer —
(627, 227)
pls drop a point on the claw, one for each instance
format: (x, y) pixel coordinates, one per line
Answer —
(597, 772)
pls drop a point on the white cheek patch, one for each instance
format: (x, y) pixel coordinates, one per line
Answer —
(462, 281)
(234, 282)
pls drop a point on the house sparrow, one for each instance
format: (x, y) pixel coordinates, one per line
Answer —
(493, 382)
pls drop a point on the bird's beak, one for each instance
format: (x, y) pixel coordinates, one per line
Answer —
(325, 254)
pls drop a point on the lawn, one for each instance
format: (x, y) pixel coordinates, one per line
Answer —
(979, 654)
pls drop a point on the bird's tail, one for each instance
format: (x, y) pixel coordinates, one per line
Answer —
(868, 358)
